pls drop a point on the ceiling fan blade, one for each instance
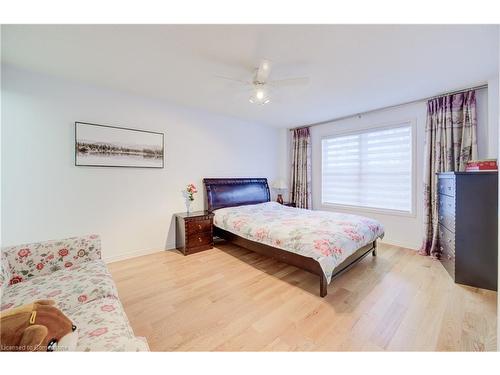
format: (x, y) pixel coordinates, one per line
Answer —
(234, 80)
(289, 81)
(263, 71)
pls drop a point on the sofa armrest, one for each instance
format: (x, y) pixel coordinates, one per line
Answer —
(43, 258)
(5, 274)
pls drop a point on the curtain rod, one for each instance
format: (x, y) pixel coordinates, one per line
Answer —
(479, 87)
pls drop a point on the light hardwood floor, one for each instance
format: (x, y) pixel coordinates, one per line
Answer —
(230, 299)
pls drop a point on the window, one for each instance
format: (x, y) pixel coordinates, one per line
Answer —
(370, 169)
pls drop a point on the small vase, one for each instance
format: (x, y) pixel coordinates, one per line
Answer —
(188, 206)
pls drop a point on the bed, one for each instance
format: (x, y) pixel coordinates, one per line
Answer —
(324, 243)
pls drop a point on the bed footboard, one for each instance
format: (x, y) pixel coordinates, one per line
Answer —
(347, 264)
(299, 261)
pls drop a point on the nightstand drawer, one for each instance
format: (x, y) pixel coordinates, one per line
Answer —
(198, 226)
(194, 231)
(199, 239)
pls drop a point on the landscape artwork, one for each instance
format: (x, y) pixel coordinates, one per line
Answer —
(110, 146)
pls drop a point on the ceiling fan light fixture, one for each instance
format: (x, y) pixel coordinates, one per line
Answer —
(261, 85)
(259, 97)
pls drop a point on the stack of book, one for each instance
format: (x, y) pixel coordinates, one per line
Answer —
(486, 165)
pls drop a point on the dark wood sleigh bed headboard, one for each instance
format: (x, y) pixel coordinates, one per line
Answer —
(231, 192)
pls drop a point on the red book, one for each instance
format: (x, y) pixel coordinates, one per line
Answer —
(481, 165)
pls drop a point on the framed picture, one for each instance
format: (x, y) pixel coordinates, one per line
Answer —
(111, 146)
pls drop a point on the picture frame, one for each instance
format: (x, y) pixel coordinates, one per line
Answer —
(98, 145)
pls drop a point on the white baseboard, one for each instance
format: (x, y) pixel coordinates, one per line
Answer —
(134, 254)
(400, 244)
(138, 253)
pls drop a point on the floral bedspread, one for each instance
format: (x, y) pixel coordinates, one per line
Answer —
(327, 237)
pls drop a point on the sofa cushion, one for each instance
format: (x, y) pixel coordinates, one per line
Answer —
(43, 258)
(103, 326)
(70, 287)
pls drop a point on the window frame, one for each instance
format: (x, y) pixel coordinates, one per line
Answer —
(413, 175)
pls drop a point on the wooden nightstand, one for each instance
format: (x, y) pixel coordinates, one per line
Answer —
(289, 204)
(194, 231)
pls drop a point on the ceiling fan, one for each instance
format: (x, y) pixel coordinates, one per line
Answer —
(260, 85)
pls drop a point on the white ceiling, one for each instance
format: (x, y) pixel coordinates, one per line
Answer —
(352, 68)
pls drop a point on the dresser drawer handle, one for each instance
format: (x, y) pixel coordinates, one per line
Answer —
(199, 239)
(199, 226)
(449, 240)
(449, 257)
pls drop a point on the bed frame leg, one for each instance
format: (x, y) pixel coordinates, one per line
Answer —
(323, 291)
(374, 252)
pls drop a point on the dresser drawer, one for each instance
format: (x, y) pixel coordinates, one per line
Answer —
(446, 186)
(198, 226)
(447, 247)
(446, 240)
(446, 211)
(199, 239)
(448, 220)
(446, 204)
(447, 259)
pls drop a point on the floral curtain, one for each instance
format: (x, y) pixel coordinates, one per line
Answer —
(300, 179)
(450, 142)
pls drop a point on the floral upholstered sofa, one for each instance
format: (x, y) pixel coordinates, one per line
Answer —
(71, 272)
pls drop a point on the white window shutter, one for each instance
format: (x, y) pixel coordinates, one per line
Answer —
(371, 169)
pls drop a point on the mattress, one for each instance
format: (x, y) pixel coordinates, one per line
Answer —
(327, 237)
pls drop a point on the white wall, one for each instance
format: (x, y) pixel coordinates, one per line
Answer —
(406, 231)
(45, 196)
